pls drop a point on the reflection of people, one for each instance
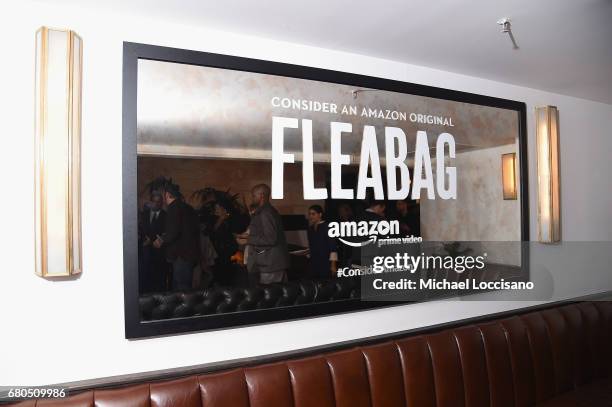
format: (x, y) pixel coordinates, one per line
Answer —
(323, 252)
(180, 238)
(408, 219)
(375, 211)
(268, 257)
(224, 243)
(345, 212)
(154, 263)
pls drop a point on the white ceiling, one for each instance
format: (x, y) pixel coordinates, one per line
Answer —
(565, 45)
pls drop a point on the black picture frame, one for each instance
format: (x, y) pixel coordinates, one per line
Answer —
(132, 52)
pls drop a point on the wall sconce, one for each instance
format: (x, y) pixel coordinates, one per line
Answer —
(547, 140)
(58, 150)
(509, 175)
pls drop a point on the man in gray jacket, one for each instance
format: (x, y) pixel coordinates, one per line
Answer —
(268, 257)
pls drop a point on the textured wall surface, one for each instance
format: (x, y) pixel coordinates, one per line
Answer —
(480, 212)
(197, 110)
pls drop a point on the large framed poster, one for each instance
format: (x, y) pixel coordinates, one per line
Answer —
(257, 191)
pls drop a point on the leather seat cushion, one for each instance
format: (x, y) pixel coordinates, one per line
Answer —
(598, 393)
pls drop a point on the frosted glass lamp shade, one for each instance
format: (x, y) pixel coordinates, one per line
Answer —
(58, 152)
(547, 142)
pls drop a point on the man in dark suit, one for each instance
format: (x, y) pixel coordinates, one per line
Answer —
(268, 256)
(374, 212)
(155, 266)
(408, 217)
(323, 250)
(180, 239)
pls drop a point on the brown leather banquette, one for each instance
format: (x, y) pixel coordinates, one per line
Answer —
(559, 356)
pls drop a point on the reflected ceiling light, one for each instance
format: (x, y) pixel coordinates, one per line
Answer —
(509, 175)
(58, 151)
(547, 140)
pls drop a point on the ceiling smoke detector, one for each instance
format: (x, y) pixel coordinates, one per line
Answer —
(506, 25)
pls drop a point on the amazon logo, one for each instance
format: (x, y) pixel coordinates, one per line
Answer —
(362, 233)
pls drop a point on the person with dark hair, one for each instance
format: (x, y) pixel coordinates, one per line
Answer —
(268, 256)
(224, 243)
(375, 210)
(345, 212)
(323, 252)
(180, 238)
(408, 217)
(154, 266)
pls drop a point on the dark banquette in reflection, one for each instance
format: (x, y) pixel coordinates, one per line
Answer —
(220, 300)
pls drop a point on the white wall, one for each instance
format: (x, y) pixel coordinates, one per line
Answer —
(69, 330)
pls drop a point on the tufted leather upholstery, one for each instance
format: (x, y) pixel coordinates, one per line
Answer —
(222, 300)
(556, 357)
